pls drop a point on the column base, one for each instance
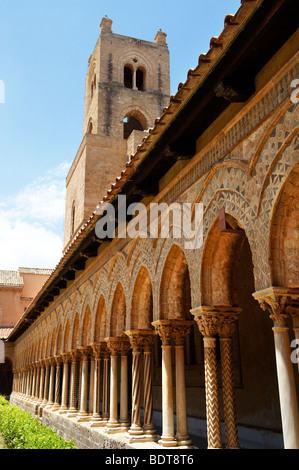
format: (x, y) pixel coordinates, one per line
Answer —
(81, 417)
(113, 427)
(184, 441)
(168, 442)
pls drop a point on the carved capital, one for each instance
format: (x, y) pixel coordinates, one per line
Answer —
(277, 301)
(119, 345)
(141, 339)
(169, 330)
(216, 320)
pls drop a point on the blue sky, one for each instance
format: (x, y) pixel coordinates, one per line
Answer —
(45, 46)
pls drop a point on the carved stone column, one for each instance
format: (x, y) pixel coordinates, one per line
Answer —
(96, 417)
(148, 425)
(293, 310)
(226, 326)
(179, 333)
(207, 321)
(41, 382)
(51, 383)
(113, 345)
(124, 388)
(47, 381)
(56, 405)
(275, 300)
(105, 403)
(164, 329)
(73, 384)
(65, 380)
(135, 430)
(83, 415)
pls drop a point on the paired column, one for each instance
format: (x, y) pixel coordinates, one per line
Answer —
(220, 321)
(83, 414)
(65, 380)
(142, 341)
(58, 362)
(276, 301)
(169, 331)
(118, 347)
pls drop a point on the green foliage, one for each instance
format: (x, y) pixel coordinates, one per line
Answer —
(20, 430)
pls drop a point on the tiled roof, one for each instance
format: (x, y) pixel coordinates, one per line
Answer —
(11, 278)
(35, 271)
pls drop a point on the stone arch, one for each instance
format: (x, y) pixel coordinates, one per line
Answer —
(284, 234)
(76, 332)
(219, 259)
(86, 337)
(142, 301)
(118, 312)
(100, 325)
(175, 288)
(66, 336)
(59, 340)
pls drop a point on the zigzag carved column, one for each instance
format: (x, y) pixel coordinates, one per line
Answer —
(226, 327)
(207, 323)
(180, 330)
(276, 300)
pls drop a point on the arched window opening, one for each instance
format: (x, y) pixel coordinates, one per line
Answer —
(89, 129)
(140, 76)
(128, 77)
(131, 124)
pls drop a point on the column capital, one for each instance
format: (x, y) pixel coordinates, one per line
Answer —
(212, 320)
(172, 329)
(278, 301)
(96, 348)
(58, 360)
(65, 357)
(141, 339)
(118, 345)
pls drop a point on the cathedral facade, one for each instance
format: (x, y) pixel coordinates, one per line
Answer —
(151, 340)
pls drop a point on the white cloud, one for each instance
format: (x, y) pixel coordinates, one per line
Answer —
(31, 223)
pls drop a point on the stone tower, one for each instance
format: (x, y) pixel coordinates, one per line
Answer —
(127, 86)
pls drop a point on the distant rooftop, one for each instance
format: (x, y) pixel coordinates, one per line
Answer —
(15, 279)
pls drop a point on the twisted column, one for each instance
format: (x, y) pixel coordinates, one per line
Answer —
(226, 327)
(148, 425)
(207, 323)
(275, 300)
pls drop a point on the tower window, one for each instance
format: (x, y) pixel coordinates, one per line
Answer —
(131, 124)
(140, 79)
(128, 77)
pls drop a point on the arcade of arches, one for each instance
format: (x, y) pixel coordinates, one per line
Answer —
(163, 344)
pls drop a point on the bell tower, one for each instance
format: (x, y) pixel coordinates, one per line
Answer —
(127, 85)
